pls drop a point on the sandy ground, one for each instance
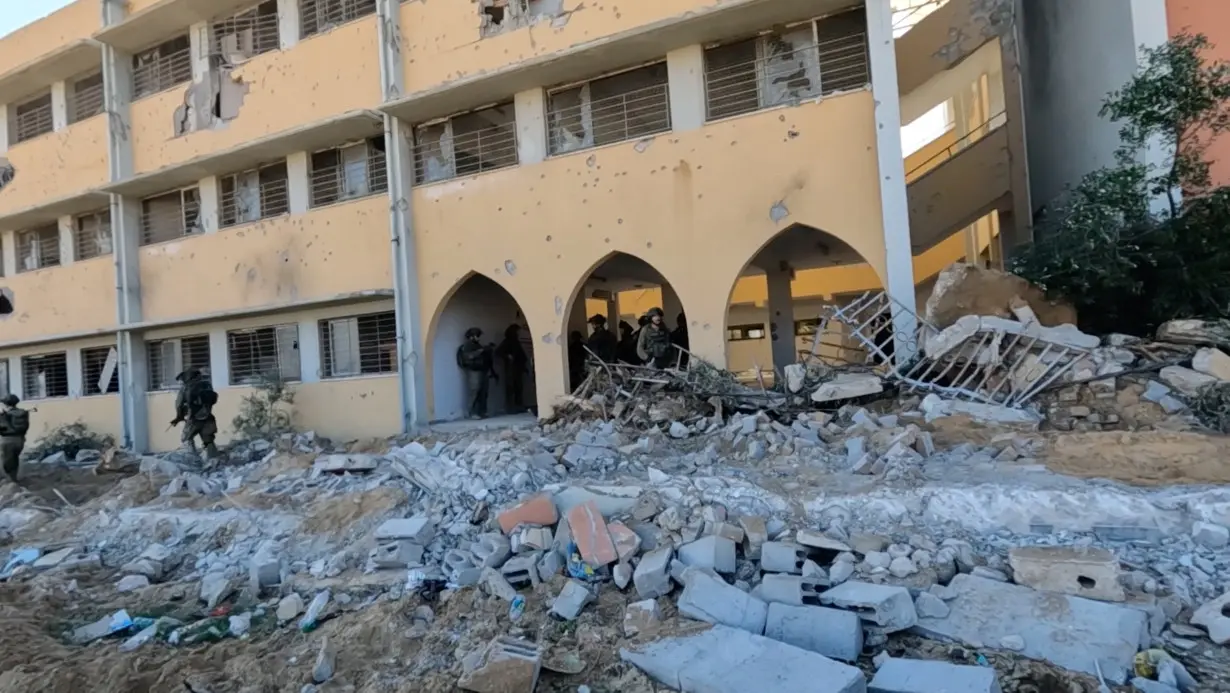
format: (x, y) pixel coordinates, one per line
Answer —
(1145, 458)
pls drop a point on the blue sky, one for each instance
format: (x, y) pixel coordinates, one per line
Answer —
(18, 13)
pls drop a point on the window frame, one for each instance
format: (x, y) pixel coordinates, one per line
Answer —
(26, 380)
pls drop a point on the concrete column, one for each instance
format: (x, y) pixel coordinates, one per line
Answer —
(59, 105)
(895, 208)
(76, 388)
(781, 316)
(133, 362)
(298, 184)
(685, 69)
(531, 110)
(1019, 230)
(117, 99)
(4, 128)
(211, 206)
(309, 351)
(612, 317)
(288, 23)
(578, 316)
(133, 373)
(219, 359)
(671, 306)
(17, 383)
(198, 37)
(114, 11)
(8, 246)
(68, 246)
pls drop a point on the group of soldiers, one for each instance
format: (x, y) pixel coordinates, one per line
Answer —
(651, 343)
(477, 361)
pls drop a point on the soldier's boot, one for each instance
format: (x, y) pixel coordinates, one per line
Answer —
(211, 451)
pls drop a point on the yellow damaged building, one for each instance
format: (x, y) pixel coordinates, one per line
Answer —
(333, 191)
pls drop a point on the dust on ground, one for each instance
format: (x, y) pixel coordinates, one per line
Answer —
(1142, 458)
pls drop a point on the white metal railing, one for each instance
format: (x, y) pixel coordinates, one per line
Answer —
(317, 16)
(360, 345)
(168, 358)
(170, 216)
(38, 248)
(33, 119)
(637, 113)
(86, 100)
(160, 69)
(92, 235)
(247, 34)
(347, 174)
(440, 155)
(263, 352)
(45, 376)
(253, 195)
(94, 362)
(781, 77)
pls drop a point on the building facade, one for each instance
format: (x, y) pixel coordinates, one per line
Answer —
(331, 192)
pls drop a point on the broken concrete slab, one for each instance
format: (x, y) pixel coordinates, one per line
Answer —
(830, 632)
(887, 606)
(1212, 616)
(782, 557)
(962, 289)
(755, 534)
(419, 530)
(1185, 380)
(652, 576)
(1210, 536)
(1198, 332)
(1211, 361)
(1068, 631)
(337, 464)
(928, 676)
(729, 660)
(848, 386)
(507, 665)
(611, 500)
(627, 542)
(707, 598)
(1088, 571)
(711, 553)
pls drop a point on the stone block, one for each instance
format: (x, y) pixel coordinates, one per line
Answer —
(532, 539)
(848, 386)
(571, 601)
(642, 618)
(419, 530)
(1210, 536)
(521, 571)
(590, 534)
(494, 583)
(755, 534)
(627, 543)
(820, 541)
(506, 666)
(346, 463)
(132, 583)
(1185, 380)
(1089, 572)
(792, 590)
(1068, 631)
(652, 576)
(460, 568)
(707, 598)
(153, 563)
(539, 510)
(782, 557)
(491, 550)
(928, 676)
(728, 660)
(887, 606)
(830, 632)
(550, 565)
(398, 554)
(1212, 616)
(711, 552)
(264, 569)
(728, 531)
(1211, 361)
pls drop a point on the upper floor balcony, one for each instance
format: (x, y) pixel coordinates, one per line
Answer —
(53, 48)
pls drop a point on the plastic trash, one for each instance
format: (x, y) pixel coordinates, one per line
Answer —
(415, 579)
(120, 621)
(17, 558)
(139, 639)
(314, 610)
(517, 609)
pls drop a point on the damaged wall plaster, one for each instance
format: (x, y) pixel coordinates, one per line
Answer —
(7, 172)
(499, 16)
(211, 101)
(6, 302)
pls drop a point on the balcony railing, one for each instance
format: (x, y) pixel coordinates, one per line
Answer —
(906, 18)
(162, 73)
(33, 119)
(626, 116)
(439, 155)
(977, 133)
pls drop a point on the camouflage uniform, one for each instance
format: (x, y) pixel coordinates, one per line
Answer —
(198, 422)
(11, 440)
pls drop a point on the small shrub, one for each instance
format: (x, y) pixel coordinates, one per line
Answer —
(68, 439)
(267, 412)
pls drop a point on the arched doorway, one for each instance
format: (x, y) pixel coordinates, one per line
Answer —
(621, 288)
(482, 303)
(774, 307)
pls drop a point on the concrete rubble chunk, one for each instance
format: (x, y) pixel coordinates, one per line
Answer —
(571, 601)
(521, 572)
(627, 543)
(590, 533)
(1210, 536)
(755, 534)
(929, 676)
(848, 386)
(817, 540)
(1185, 380)
(507, 665)
(214, 588)
(831, 632)
(728, 660)
(1211, 361)
(460, 568)
(539, 510)
(491, 550)
(887, 606)
(1088, 572)
(1211, 616)
(928, 605)
(54, 558)
(652, 576)
(711, 552)
(792, 590)
(496, 585)
(782, 557)
(419, 530)
(962, 289)
(1194, 331)
(642, 618)
(132, 583)
(707, 598)
(346, 463)
(1067, 631)
(153, 563)
(289, 607)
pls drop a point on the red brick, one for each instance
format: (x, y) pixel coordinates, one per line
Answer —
(539, 510)
(590, 534)
(627, 542)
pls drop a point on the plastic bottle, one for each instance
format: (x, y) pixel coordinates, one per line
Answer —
(314, 610)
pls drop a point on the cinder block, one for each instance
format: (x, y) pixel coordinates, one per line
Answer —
(709, 599)
(652, 576)
(1087, 571)
(830, 632)
(711, 552)
(460, 568)
(419, 530)
(792, 590)
(887, 606)
(571, 601)
(521, 571)
(491, 550)
(755, 534)
(506, 665)
(926, 676)
(782, 557)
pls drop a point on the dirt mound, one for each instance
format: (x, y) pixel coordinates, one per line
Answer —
(1143, 458)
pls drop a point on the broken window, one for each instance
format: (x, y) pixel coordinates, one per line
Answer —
(38, 248)
(33, 118)
(85, 99)
(99, 374)
(161, 67)
(170, 357)
(349, 172)
(247, 34)
(253, 195)
(745, 333)
(465, 144)
(318, 16)
(45, 376)
(802, 62)
(170, 216)
(92, 235)
(503, 15)
(263, 352)
(361, 345)
(610, 109)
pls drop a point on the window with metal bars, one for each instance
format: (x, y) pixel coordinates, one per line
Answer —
(99, 374)
(85, 98)
(170, 357)
(360, 345)
(745, 333)
(263, 353)
(246, 35)
(805, 61)
(161, 67)
(624, 106)
(38, 248)
(45, 376)
(349, 172)
(318, 16)
(32, 118)
(466, 144)
(253, 195)
(92, 235)
(170, 216)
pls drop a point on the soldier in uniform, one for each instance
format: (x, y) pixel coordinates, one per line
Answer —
(601, 341)
(476, 360)
(14, 423)
(194, 407)
(654, 344)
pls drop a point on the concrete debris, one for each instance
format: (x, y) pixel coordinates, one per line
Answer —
(1214, 618)
(924, 676)
(571, 601)
(848, 386)
(506, 665)
(337, 464)
(419, 530)
(729, 660)
(132, 583)
(829, 632)
(652, 576)
(963, 289)
(711, 553)
(1186, 380)
(1088, 572)
(289, 607)
(642, 618)
(707, 598)
(1214, 333)
(590, 533)
(1210, 536)
(1212, 362)
(538, 511)
(887, 606)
